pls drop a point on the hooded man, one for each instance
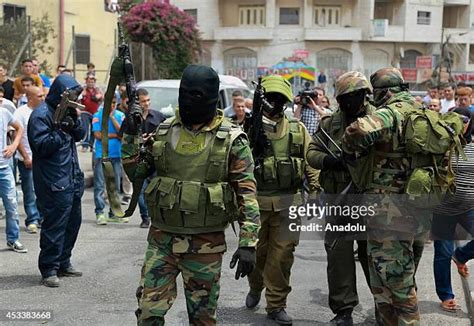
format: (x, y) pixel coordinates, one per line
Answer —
(203, 181)
(58, 180)
(351, 93)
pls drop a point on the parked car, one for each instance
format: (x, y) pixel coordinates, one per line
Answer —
(164, 93)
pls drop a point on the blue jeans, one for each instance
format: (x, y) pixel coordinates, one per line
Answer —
(444, 228)
(8, 195)
(142, 203)
(29, 197)
(99, 183)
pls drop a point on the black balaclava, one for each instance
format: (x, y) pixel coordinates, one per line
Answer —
(198, 94)
(352, 103)
(467, 113)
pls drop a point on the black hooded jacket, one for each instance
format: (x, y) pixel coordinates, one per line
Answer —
(55, 162)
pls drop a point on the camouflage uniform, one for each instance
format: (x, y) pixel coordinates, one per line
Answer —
(341, 266)
(392, 262)
(195, 252)
(276, 246)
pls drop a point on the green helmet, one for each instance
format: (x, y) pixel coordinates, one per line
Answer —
(350, 82)
(386, 78)
(277, 84)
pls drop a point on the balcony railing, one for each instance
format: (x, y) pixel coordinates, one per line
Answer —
(333, 34)
(243, 33)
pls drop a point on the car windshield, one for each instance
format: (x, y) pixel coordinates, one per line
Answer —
(164, 100)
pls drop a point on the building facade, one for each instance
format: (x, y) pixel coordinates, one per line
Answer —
(95, 27)
(334, 36)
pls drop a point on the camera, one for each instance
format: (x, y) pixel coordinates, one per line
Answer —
(306, 94)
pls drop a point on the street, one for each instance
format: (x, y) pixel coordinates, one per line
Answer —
(110, 257)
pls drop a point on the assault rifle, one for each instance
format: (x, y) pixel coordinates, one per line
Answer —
(65, 108)
(254, 125)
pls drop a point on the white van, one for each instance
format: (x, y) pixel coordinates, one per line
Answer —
(164, 93)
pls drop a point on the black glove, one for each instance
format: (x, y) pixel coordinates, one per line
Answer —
(332, 163)
(246, 258)
(67, 124)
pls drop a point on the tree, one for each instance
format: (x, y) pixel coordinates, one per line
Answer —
(14, 33)
(169, 31)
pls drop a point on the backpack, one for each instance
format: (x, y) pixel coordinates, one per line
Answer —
(430, 139)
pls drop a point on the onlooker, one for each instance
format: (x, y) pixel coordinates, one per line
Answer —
(448, 101)
(91, 98)
(239, 109)
(325, 104)
(115, 121)
(151, 121)
(455, 209)
(432, 94)
(7, 182)
(90, 69)
(44, 78)
(24, 156)
(322, 80)
(419, 99)
(26, 82)
(26, 71)
(5, 103)
(6, 83)
(60, 69)
(464, 95)
(249, 104)
(229, 111)
(434, 105)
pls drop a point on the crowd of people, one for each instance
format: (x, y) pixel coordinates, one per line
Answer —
(187, 210)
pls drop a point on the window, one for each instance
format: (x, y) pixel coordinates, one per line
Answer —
(13, 12)
(252, 16)
(423, 18)
(327, 16)
(289, 16)
(83, 49)
(193, 13)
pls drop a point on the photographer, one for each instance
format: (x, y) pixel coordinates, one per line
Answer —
(308, 109)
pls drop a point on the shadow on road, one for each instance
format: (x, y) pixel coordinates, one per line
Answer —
(13, 282)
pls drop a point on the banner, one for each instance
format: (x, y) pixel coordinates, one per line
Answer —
(409, 74)
(424, 62)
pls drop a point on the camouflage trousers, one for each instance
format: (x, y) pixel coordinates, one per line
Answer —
(157, 291)
(275, 256)
(392, 267)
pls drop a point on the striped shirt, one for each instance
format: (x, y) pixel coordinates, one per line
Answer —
(463, 200)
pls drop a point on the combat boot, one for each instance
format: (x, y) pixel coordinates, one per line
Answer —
(280, 317)
(50, 281)
(252, 300)
(69, 272)
(343, 318)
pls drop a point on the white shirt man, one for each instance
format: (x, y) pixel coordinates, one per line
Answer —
(448, 102)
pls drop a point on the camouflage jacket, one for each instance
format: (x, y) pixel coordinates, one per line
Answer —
(379, 127)
(240, 176)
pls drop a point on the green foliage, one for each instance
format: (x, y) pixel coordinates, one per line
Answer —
(14, 33)
(169, 31)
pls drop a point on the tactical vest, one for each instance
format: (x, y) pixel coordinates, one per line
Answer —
(334, 182)
(191, 193)
(282, 170)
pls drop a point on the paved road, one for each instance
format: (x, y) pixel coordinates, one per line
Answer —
(110, 257)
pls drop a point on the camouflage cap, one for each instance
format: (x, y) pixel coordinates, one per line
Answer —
(386, 77)
(277, 84)
(350, 82)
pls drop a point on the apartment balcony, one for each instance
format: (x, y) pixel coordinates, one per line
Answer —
(243, 33)
(457, 2)
(333, 34)
(458, 35)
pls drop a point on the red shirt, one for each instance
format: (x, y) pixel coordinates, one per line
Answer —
(89, 100)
